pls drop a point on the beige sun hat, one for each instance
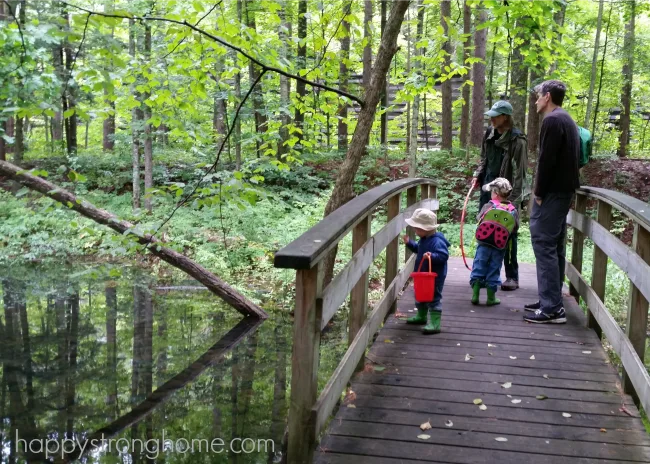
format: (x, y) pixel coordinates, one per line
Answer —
(423, 219)
(499, 185)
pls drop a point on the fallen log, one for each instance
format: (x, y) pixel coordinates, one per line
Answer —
(182, 262)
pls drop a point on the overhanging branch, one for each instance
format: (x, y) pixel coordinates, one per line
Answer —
(265, 67)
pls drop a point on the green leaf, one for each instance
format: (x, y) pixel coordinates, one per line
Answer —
(68, 113)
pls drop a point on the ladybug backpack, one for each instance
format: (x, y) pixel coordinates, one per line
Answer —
(496, 225)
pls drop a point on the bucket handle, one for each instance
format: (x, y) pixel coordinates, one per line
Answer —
(427, 257)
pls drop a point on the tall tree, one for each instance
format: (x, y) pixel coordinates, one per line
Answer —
(628, 74)
(533, 127)
(343, 81)
(301, 61)
(367, 37)
(284, 34)
(19, 121)
(343, 191)
(238, 96)
(445, 19)
(148, 141)
(254, 72)
(384, 96)
(478, 76)
(519, 86)
(136, 120)
(594, 64)
(108, 126)
(417, 70)
(68, 95)
(602, 71)
(467, 43)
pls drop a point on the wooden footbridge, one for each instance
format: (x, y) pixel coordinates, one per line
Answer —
(490, 388)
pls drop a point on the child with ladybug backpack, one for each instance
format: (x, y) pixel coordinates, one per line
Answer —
(498, 220)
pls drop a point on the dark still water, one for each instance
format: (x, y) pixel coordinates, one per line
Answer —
(123, 369)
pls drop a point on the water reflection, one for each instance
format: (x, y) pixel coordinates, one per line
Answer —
(86, 356)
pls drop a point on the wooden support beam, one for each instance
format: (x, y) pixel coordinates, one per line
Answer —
(424, 191)
(304, 363)
(637, 314)
(411, 199)
(359, 294)
(392, 250)
(599, 270)
(578, 244)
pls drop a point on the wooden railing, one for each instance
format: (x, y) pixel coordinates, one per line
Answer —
(316, 305)
(634, 261)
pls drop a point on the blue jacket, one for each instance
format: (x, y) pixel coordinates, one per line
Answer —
(438, 246)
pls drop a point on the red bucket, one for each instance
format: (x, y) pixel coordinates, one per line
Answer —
(424, 283)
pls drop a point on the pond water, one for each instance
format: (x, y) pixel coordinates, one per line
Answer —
(118, 367)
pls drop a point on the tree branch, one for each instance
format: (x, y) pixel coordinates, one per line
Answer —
(20, 31)
(197, 23)
(225, 44)
(214, 165)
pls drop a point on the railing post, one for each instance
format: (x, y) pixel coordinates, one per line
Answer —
(392, 250)
(599, 270)
(578, 244)
(424, 191)
(411, 199)
(637, 314)
(359, 294)
(304, 363)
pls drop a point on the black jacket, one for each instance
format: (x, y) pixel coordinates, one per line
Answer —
(559, 153)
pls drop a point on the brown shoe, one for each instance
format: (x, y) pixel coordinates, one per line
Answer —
(510, 284)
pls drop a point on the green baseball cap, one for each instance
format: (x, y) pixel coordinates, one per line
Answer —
(500, 107)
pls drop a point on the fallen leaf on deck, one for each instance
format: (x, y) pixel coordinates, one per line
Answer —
(541, 397)
(482, 407)
(532, 357)
(558, 335)
(507, 385)
(626, 411)
(379, 368)
(351, 406)
(513, 357)
(478, 401)
(490, 345)
(425, 426)
(457, 344)
(514, 310)
(490, 353)
(586, 352)
(424, 437)
(566, 414)
(516, 401)
(468, 357)
(403, 352)
(400, 315)
(580, 343)
(545, 376)
(388, 341)
(501, 439)
(471, 311)
(603, 430)
(449, 423)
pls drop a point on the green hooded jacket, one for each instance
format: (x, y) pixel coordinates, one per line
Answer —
(506, 157)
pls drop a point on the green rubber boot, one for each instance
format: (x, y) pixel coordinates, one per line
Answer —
(492, 299)
(433, 327)
(420, 318)
(476, 290)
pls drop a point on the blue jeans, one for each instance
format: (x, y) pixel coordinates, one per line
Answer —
(436, 304)
(486, 268)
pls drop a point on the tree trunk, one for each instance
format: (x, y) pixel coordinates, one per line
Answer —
(594, 64)
(533, 118)
(69, 95)
(628, 73)
(220, 108)
(3, 144)
(148, 141)
(384, 98)
(256, 97)
(478, 76)
(519, 92)
(211, 281)
(415, 107)
(602, 72)
(19, 141)
(367, 37)
(284, 34)
(467, 43)
(343, 86)
(343, 191)
(491, 76)
(111, 348)
(445, 19)
(301, 63)
(108, 132)
(136, 119)
(238, 97)
(558, 17)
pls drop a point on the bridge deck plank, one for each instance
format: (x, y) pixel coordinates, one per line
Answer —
(426, 378)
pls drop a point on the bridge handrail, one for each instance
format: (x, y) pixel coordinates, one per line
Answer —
(316, 305)
(634, 261)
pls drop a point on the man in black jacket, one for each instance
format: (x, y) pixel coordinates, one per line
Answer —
(555, 184)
